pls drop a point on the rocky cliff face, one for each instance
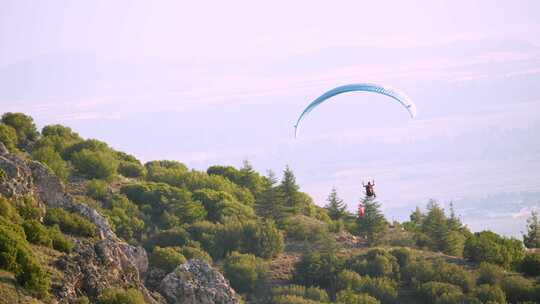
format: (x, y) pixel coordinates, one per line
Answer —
(107, 261)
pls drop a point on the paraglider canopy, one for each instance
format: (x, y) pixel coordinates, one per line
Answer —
(398, 96)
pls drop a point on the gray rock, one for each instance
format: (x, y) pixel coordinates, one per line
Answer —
(196, 282)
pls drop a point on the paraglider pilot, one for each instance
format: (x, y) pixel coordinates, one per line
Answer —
(370, 192)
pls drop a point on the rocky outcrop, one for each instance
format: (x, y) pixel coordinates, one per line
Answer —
(94, 264)
(100, 263)
(196, 282)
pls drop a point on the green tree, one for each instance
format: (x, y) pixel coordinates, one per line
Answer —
(435, 226)
(289, 188)
(8, 136)
(23, 125)
(373, 224)
(336, 207)
(270, 203)
(95, 164)
(532, 238)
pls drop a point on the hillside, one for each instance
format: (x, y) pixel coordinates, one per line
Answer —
(83, 223)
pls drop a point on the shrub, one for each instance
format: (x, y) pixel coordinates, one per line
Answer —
(7, 210)
(244, 271)
(69, 222)
(530, 265)
(489, 274)
(318, 269)
(263, 239)
(28, 208)
(308, 293)
(97, 189)
(303, 228)
(196, 253)
(453, 274)
(167, 258)
(95, 164)
(48, 156)
(124, 217)
(23, 125)
(36, 233)
(433, 292)
(487, 246)
(131, 169)
(418, 272)
(59, 241)
(383, 289)
(490, 294)
(518, 289)
(175, 237)
(403, 256)
(8, 136)
(291, 299)
(121, 296)
(376, 263)
(205, 233)
(348, 279)
(348, 296)
(16, 256)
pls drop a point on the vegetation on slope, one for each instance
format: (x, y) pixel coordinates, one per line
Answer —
(243, 222)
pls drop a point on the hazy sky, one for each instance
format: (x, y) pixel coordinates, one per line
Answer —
(218, 82)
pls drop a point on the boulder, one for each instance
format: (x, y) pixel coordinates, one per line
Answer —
(196, 282)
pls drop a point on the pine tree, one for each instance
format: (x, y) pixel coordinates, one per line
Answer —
(532, 238)
(270, 203)
(250, 179)
(417, 217)
(336, 207)
(454, 223)
(289, 188)
(373, 224)
(435, 225)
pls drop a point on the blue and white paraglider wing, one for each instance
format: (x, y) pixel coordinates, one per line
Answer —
(398, 96)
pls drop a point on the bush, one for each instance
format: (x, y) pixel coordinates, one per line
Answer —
(48, 156)
(263, 239)
(348, 279)
(318, 269)
(244, 271)
(307, 293)
(434, 292)
(121, 296)
(196, 253)
(69, 222)
(453, 274)
(291, 299)
(23, 125)
(403, 256)
(169, 238)
(7, 210)
(348, 296)
(124, 217)
(303, 228)
(383, 289)
(489, 294)
(97, 189)
(530, 265)
(131, 169)
(28, 208)
(95, 164)
(167, 258)
(489, 274)
(487, 246)
(36, 233)
(59, 241)
(16, 256)
(518, 289)
(8, 136)
(376, 263)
